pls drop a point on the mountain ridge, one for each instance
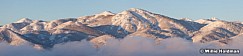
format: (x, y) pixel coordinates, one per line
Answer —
(131, 22)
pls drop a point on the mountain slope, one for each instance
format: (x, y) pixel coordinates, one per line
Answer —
(217, 30)
(99, 27)
(11, 37)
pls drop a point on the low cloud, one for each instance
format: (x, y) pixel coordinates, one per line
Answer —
(130, 46)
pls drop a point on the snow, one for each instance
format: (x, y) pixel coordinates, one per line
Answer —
(214, 18)
(12, 37)
(35, 26)
(204, 21)
(135, 21)
(105, 13)
(101, 40)
(132, 19)
(207, 21)
(137, 10)
(27, 20)
(214, 31)
(186, 19)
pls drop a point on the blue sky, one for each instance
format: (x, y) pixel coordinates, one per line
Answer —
(13, 10)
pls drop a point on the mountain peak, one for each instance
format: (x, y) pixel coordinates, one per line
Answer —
(105, 13)
(24, 20)
(214, 18)
(186, 19)
(100, 27)
(135, 9)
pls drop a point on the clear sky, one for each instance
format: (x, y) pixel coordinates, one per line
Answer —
(13, 10)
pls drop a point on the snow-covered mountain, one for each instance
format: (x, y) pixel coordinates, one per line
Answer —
(217, 30)
(98, 28)
(11, 37)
